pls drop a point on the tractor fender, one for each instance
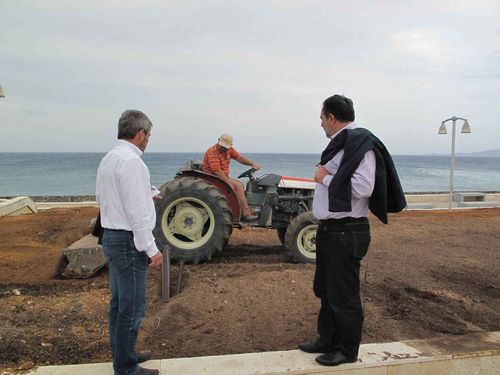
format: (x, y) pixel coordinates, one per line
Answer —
(220, 184)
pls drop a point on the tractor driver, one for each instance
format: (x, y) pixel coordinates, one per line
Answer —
(216, 161)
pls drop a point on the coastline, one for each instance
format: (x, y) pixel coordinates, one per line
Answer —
(91, 198)
(56, 198)
(412, 197)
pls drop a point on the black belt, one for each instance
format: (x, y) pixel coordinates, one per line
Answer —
(345, 224)
(120, 230)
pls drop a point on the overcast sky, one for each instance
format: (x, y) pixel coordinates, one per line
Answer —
(256, 69)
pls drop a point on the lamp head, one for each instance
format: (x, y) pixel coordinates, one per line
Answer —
(466, 127)
(442, 129)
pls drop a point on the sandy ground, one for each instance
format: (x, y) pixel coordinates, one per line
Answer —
(427, 273)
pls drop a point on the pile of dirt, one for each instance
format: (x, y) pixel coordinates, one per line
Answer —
(426, 274)
(31, 245)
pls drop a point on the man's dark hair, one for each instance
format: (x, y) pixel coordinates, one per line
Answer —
(132, 122)
(340, 107)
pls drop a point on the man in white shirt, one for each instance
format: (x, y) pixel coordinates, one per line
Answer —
(342, 240)
(128, 216)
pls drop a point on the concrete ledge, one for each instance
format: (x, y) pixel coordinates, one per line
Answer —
(440, 201)
(49, 205)
(419, 206)
(492, 197)
(468, 197)
(415, 202)
(17, 206)
(427, 198)
(478, 204)
(477, 353)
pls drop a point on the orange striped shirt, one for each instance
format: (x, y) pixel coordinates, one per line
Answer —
(216, 160)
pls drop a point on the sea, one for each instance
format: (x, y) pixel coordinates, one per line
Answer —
(69, 174)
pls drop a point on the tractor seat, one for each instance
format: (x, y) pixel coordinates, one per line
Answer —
(196, 165)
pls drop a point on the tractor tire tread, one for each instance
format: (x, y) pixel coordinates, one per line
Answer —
(294, 228)
(185, 186)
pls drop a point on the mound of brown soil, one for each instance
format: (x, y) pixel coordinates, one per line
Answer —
(426, 273)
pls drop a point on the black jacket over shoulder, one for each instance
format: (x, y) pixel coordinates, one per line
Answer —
(387, 194)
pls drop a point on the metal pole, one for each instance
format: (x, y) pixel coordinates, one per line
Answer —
(179, 280)
(452, 169)
(442, 130)
(165, 275)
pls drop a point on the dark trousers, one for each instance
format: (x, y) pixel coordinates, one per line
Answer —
(127, 282)
(340, 246)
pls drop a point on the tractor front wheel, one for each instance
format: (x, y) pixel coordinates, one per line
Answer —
(300, 238)
(193, 219)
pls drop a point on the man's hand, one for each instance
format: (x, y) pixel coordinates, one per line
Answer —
(256, 166)
(244, 160)
(156, 260)
(155, 193)
(320, 174)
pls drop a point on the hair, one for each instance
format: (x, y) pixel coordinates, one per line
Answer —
(340, 107)
(132, 122)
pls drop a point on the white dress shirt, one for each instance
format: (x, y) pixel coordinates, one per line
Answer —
(123, 189)
(362, 181)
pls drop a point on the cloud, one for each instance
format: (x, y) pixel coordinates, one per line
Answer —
(470, 8)
(428, 45)
(259, 70)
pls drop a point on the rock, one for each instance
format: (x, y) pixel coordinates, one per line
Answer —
(83, 258)
(16, 292)
(25, 365)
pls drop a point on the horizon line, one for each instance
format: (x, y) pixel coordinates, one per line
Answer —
(250, 152)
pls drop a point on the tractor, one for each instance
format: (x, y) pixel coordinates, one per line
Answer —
(198, 211)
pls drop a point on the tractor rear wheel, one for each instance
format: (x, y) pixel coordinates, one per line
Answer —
(300, 238)
(193, 219)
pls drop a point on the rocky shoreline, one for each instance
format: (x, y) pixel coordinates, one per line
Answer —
(91, 198)
(58, 198)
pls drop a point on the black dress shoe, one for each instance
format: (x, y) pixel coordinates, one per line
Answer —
(314, 347)
(147, 371)
(143, 357)
(334, 359)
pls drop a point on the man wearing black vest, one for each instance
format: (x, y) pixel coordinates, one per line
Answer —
(356, 174)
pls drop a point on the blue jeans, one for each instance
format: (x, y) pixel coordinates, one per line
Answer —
(127, 282)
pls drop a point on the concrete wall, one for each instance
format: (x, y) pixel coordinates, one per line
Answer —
(440, 201)
(17, 206)
(473, 354)
(415, 201)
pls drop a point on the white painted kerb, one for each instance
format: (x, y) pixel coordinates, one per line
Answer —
(440, 356)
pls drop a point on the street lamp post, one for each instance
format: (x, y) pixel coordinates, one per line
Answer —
(442, 130)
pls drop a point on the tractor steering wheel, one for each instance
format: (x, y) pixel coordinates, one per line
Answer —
(248, 173)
